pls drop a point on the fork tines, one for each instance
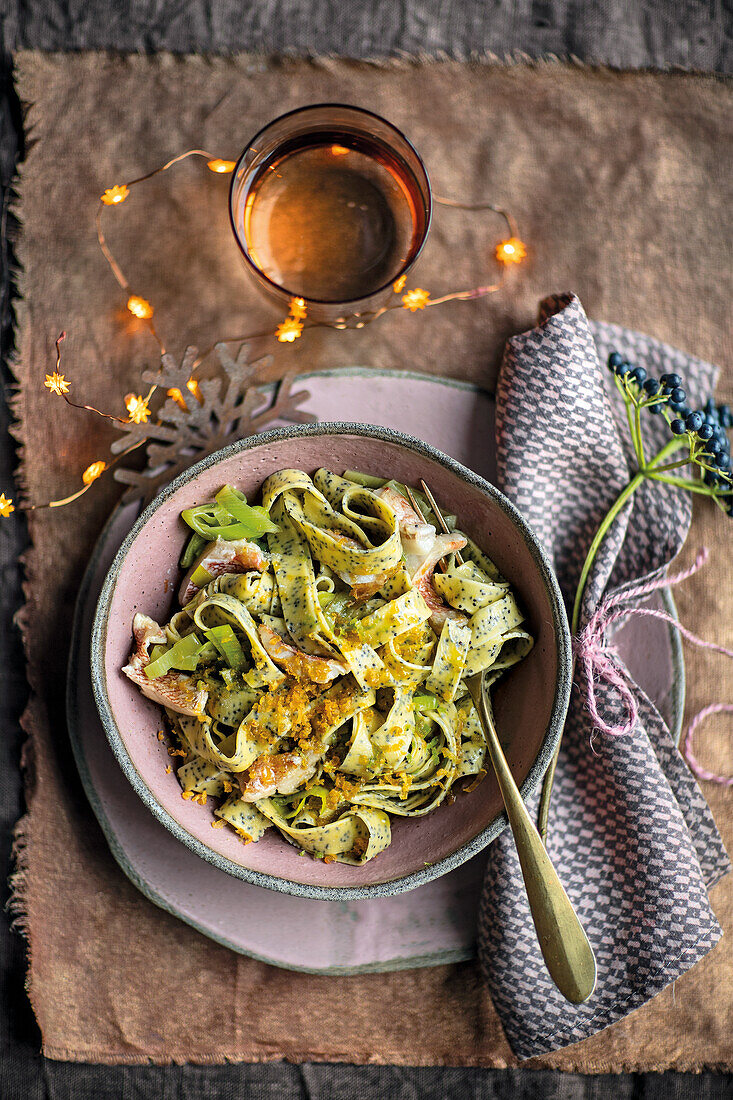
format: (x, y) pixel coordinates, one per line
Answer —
(439, 516)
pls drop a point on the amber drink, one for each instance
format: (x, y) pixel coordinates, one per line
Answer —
(330, 204)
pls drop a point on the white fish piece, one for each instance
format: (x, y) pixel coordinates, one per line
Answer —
(423, 550)
(321, 670)
(223, 556)
(422, 579)
(279, 773)
(175, 690)
(417, 537)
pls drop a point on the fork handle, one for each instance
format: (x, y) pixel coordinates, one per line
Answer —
(567, 953)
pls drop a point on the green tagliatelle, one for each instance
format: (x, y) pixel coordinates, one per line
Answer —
(315, 683)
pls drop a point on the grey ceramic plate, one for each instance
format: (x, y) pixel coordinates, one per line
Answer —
(430, 925)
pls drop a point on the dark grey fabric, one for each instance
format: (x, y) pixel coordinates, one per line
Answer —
(16, 1019)
(626, 33)
(278, 1081)
(693, 34)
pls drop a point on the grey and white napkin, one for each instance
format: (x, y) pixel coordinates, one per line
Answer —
(630, 833)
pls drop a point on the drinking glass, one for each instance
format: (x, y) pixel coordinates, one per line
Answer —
(330, 204)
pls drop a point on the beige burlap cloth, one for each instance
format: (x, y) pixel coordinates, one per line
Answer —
(621, 187)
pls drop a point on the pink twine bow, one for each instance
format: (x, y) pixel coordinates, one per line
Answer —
(599, 663)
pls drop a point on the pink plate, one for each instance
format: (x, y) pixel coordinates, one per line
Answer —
(435, 923)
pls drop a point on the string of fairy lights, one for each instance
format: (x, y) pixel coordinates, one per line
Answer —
(508, 251)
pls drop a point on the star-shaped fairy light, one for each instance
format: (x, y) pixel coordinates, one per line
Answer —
(289, 330)
(298, 309)
(137, 408)
(192, 386)
(415, 299)
(511, 251)
(221, 167)
(399, 285)
(115, 195)
(6, 506)
(57, 384)
(140, 307)
(92, 472)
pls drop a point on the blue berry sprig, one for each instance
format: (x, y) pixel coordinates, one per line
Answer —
(702, 433)
(699, 439)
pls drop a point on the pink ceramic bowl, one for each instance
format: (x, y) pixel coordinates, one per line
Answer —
(530, 704)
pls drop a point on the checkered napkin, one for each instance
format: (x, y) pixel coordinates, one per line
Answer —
(630, 833)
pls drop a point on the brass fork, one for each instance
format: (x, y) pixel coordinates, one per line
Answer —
(565, 948)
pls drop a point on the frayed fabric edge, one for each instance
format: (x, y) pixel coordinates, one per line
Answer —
(399, 59)
(18, 880)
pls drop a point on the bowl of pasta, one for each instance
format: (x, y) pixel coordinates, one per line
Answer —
(280, 654)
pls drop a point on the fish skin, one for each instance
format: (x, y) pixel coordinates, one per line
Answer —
(406, 515)
(366, 589)
(321, 670)
(439, 610)
(223, 556)
(174, 690)
(279, 773)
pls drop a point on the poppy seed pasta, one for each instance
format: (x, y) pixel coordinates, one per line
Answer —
(314, 674)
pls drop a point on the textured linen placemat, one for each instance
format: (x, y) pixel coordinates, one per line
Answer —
(621, 190)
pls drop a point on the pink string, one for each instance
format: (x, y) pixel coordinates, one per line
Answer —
(600, 664)
(703, 773)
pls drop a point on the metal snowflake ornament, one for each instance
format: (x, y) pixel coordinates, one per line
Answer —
(199, 418)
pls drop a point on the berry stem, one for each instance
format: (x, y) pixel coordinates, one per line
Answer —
(652, 470)
(684, 483)
(595, 546)
(669, 466)
(634, 437)
(667, 450)
(640, 451)
(543, 810)
(634, 424)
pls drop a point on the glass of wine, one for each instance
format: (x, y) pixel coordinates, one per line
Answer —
(332, 204)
